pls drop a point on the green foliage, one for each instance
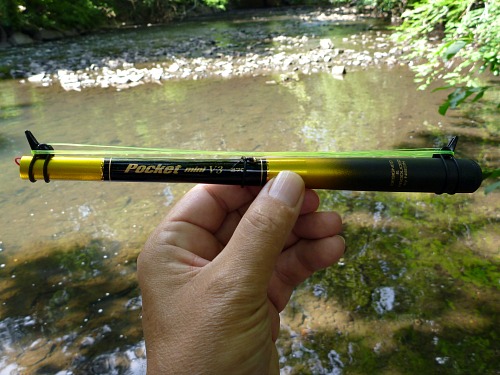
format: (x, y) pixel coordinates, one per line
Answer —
(217, 4)
(395, 7)
(88, 14)
(8, 13)
(495, 176)
(459, 95)
(155, 11)
(52, 14)
(469, 35)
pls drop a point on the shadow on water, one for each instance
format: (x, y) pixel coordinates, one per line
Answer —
(3, 141)
(14, 103)
(62, 308)
(475, 124)
(11, 111)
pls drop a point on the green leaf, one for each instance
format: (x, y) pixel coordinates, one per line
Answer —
(442, 88)
(491, 173)
(453, 49)
(478, 96)
(459, 95)
(443, 108)
(488, 189)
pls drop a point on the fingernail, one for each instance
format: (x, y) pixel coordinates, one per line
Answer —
(287, 187)
(343, 240)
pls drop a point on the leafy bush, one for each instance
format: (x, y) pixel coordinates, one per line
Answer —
(51, 14)
(454, 41)
(87, 14)
(8, 14)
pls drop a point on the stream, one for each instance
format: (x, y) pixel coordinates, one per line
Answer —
(418, 289)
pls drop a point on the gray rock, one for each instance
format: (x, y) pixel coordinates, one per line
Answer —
(156, 74)
(20, 39)
(71, 86)
(37, 78)
(325, 44)
(3, 38)
(173, 68)
(70, 33)
(338, 70)
(135, 75)
(47, 35)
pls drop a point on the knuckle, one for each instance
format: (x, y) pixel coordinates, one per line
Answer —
(266, 221)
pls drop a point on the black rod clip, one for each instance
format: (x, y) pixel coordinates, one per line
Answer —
(37, 146)
(452, 144)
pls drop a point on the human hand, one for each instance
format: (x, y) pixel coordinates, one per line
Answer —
(217, 271)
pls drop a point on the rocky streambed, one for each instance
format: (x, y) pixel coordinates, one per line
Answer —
(281, 44)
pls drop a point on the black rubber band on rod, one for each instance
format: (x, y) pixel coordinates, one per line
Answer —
(458, 176)
(31, 175)
(45, 168)
(245, 160)
(443, 189)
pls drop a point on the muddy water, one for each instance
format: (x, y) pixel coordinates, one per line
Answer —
(421, 271)
(316, 113)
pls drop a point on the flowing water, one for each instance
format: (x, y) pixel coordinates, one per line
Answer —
(417, 291)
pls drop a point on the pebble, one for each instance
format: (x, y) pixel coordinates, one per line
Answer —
(326, 44)
(338, 70)
(37, 78)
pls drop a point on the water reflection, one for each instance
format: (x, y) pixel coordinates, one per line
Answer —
(339, 115)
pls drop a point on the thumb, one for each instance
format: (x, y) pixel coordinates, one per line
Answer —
(262, 231)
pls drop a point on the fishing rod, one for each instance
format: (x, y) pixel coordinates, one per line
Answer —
(440, 172)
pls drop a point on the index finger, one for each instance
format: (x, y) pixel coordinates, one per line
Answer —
(206, 206)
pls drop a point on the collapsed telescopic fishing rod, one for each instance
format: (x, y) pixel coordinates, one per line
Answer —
(438, 173)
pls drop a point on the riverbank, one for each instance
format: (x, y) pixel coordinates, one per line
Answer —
(304, 43)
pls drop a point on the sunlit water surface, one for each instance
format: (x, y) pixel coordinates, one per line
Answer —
(421, 271)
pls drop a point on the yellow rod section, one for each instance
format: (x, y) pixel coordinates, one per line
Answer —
(64, 168)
